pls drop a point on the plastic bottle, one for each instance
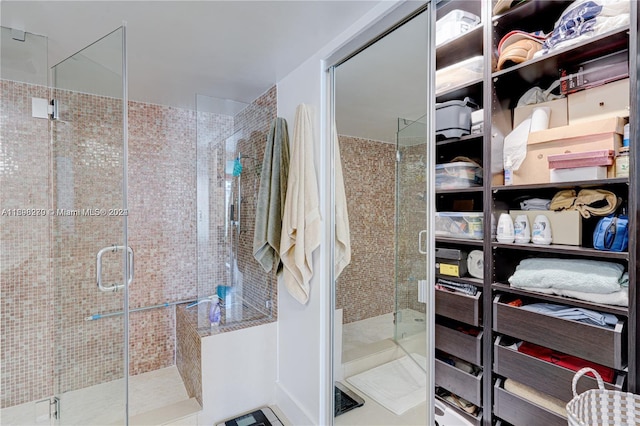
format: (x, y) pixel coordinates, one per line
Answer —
(622, 162)
(508, 176)
(214, 311)
(541, 231)
(625, 137)
(505, 232)
(521, 228)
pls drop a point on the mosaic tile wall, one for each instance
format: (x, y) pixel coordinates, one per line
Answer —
(366, 288)
(188, 353)
(49, 262)
(26, 293)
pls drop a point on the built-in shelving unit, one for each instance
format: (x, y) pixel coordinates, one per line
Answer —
(498, 323)
(460, 331)
(505, 323)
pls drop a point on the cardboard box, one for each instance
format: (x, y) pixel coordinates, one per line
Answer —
(595, 135)
(606, 101)
(557, 118)
(566, 226)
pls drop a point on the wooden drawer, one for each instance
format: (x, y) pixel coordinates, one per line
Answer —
(459, 306)
(461, 345)
(598, 344)
(546, 377)
(459, 382)
(474, 420)
(519, 411)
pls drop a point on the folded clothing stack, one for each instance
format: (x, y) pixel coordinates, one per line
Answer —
(573, 313)
(455, 286)
(591, 280)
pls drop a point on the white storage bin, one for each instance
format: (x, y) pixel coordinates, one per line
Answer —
(578, 174)
(454, 24)
(459, 225)
(459, 74)
(460, 174)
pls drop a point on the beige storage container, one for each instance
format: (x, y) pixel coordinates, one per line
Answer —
(591, 136)
(608, 100)
(566, 226)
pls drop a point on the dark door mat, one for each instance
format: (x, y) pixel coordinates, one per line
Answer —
(345, 399)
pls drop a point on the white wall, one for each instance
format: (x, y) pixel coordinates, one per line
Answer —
(304, 379)
(238, 372)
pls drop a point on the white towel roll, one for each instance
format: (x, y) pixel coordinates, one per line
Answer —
(475, 263)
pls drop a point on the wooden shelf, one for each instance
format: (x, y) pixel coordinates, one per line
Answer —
(463, 139)
(562, 185)
(612, 41)
(463, 47)
(458, 190)
(564, 249)
(616, 310)
(461, 241)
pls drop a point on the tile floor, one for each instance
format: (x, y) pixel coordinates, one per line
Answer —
(362, 333)
(369, 343)
(157, 397)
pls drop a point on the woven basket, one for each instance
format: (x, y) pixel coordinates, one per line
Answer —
(602, 407)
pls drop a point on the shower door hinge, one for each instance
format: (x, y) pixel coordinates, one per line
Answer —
(398, 156)
(42, 108)
(54, 110)
(47, 410)
(54, 408)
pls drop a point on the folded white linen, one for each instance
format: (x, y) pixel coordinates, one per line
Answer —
(585, 275)
(618, 298)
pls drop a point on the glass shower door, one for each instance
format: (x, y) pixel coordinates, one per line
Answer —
(410, 253)
(92, 263)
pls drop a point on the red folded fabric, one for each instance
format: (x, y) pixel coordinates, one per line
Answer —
(567, 361)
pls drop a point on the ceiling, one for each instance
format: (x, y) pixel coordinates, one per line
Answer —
(230, 50)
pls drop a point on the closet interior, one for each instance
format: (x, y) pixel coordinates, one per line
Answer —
(515, 319)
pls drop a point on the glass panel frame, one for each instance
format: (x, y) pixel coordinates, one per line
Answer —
(89, 143)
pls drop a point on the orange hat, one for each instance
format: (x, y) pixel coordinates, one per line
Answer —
(519, 46)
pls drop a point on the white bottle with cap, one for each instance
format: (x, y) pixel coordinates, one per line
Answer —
(521, 229)
(541, 231)
(505, 232)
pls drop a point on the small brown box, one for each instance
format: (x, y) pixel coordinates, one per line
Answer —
(596, 135)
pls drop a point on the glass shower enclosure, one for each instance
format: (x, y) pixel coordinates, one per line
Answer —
(410, 243)
(230, 147)
(65, 255)
(92, 262)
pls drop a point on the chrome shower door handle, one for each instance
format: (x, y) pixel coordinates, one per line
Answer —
(113, 249)
(420, 242)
